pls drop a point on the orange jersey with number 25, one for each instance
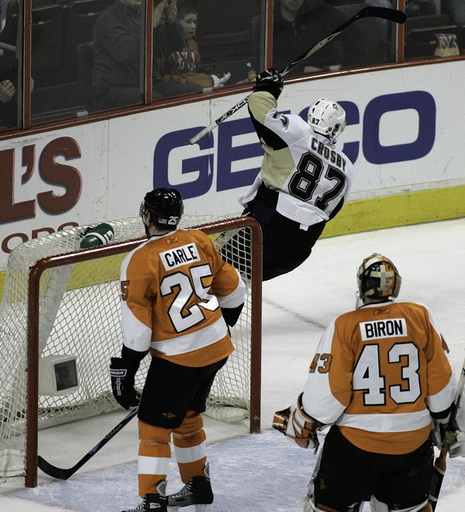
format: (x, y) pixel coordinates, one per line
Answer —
(173, 287)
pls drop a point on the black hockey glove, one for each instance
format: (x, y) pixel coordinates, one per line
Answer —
(270, 80)
(122, 373)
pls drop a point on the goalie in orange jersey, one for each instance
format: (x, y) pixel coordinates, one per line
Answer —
(381, 378)
(178, 299)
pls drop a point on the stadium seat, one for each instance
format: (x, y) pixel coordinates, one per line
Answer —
(80, 20)
(420, 34)
(47, 37)
(376, 31)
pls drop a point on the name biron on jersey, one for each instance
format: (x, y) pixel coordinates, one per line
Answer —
(179, 256)
(328, 154)
(389, 328)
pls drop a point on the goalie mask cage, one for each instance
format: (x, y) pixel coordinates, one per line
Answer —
(61, 303)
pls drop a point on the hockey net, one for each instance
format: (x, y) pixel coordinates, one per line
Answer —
(60, 325)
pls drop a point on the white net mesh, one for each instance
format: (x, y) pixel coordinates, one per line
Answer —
(79, 317)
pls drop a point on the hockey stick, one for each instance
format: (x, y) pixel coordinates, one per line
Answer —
(440, 463)
(367, 12)
(64, 474)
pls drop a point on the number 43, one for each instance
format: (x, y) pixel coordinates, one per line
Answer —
(369, 377)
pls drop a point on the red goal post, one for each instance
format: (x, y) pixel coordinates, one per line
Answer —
(89, 343)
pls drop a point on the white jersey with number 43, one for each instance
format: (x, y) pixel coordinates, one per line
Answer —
(311, 176)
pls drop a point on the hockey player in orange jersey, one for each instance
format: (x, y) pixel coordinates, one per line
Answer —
(381, 378)
(178, 299)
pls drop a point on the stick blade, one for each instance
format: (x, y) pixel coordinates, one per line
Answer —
(53, 471)
(393, 15)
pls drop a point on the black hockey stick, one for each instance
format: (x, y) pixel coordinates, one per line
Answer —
(367, 12)
(64, 474)
(440, 463)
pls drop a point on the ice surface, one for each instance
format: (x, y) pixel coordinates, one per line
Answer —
(267, 472)
(248, 473)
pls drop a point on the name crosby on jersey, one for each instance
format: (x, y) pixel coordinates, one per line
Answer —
(389, 328)
(329, 154)
(179, 256)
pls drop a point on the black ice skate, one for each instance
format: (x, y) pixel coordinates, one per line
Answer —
(196, 492)
(153, 502)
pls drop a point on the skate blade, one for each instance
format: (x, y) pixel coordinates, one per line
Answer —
(197, 508)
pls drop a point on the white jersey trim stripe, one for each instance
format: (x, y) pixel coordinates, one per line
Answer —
(236, 298)
(192, 341)
(442, 400)
(386, 423)
(136, 335)
(152, 465)
(191, 454)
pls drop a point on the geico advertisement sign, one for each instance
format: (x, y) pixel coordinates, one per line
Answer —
(221, 152)
(49, 177)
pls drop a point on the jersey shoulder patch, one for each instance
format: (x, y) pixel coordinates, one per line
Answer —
(282, 117)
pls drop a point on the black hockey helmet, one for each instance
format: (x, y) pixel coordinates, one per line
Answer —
(165, 207)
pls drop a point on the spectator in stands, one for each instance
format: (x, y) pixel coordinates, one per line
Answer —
(456, 10)
(183, 65)
(300, 24)
(8, 106)
(3, 6)
(420, 8)
(8, 89)
(9, 23)
(9, 71)
(118, 39)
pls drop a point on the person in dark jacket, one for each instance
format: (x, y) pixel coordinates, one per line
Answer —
(420, 8)
(118, 55)
(8, 91)
(184, 64)
(300, 24)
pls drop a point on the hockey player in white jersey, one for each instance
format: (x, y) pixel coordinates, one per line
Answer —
(304, 179)
(381, 378)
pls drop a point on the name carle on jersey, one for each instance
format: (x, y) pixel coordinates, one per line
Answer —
(178, 256)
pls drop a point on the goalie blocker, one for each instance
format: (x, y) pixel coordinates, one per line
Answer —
(295, 423)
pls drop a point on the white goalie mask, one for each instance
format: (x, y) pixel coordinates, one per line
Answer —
(378, 280)
(327, 118)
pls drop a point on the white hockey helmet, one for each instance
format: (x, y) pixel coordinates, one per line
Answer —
(378, 279)
(327, 118)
